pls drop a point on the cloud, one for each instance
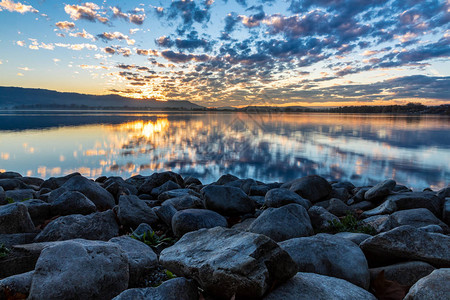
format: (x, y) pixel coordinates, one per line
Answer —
(137, 19)
(86, 11)
(109, 36)
(20, 43)
(65, 25)
(17, 7)
(77, 47)
(83, 34)
(146, 52)
(178, 57)
(117, 50)
(189, 12)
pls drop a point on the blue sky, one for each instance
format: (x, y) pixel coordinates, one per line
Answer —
(232, 53)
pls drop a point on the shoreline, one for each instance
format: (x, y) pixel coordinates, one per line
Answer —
(173, 237)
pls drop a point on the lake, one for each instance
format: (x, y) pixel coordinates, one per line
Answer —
(363, 149)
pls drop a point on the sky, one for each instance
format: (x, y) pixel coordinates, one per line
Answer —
(232, 52)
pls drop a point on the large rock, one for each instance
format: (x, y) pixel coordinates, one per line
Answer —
(141, 258)
(93, 191)
(380, 190)
(446, 211)
(407, 273)
(9, 174)
(331, 256)
(227, 262)
(407, 242)
(12, 184)
(411, 200)
(72, 202)
(16, 286)
(321, 218)
(184, 202)
(174, 289)
(313, 187)
(167, 186)
(17, 238)
(96, 226)
(177, 193)
(56, 182)
(434, 286)
(355, 237)
(283, 223)
(381, 223)
(133, 211)
(189, 220)
(2, 196)
(158, 179)
(80, 269)
(417, 217)
(387, 207)
(227, 200)
(20, 195)
(14, 218)
(307, 286)
(39, 210)
(335, 206)
(165, 213)
(280, 197)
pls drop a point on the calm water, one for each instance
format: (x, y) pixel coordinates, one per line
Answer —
(364, 149)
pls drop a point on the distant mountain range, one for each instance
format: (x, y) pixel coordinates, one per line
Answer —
(24, 98)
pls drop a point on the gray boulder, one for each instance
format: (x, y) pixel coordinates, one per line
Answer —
(335, 206)
(329, 255)
(355, 237)
(407, 242)
(2, 196)
(97, 226)
(189, 220)
(227, 262)
(56, 182)
(224, 179)
(407, 273)
(14, 218)
(283, 223)
(142, 229)
(307, 286)
(446, 211)
(167, 186)
(174, 289)
(243, 225)
(411, 200)
(165, 213)
(380, 190)
(387, 207)
(321, 218)
(158, 179)
(432, 228)
(434, 286)
(17, 238)
(141, 258)
(16, 286)
(133, 211)
(184, 202)
(417, 217)
(93, 191)
(227, 200)
(72, 202)
(81, 268)
(313, 187)
(381, 223)
(280, 197)
(178, 193)
(9, 174)
(12, 184)
(20, 195)
(39, 210)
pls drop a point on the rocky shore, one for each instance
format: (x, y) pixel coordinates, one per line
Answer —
(167, 237)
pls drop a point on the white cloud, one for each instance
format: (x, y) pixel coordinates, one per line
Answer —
(17, 7)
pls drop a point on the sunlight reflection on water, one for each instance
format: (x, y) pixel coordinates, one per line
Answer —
(363, 149)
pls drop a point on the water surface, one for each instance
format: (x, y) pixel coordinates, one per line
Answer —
(364, 149)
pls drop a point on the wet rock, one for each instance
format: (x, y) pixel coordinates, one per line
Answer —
(418, 217)
(259, 190)
(173, 289)
(194, 219)
(56, 182)
(166, 213)
(35, 181)
(20, 195)
(340, 193)
(178, 193)
(72, 202)
(407, 273)
(307, 286)
(141, 258)
(355, 237)
(93, 191)
(228, 262)
(120, 182)
(335, 206)
(192, 180)
(9, 174)
(224, 179)
(228, 201)
(363, 205)
(313, 187)
(344, 184)
(359, 194)
(97, 226)
(279, 197)
(387, 207)
(433, 286)
(16, 286)
(14, 218)
(418, 200)
(39, 210)
(167, 186)
(321, 218)
(87, 269)
(133, 211)
(157, 179)
(329, 255)
(184, 202)
(283, 223)
(381, 190)
(407, 242)
(136, 180)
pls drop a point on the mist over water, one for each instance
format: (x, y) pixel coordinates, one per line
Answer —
(363, 149)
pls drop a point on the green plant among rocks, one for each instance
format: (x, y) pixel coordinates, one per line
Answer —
(349, 223)
(154, 241)
(3, 251)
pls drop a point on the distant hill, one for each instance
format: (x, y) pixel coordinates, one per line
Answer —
(24, 98)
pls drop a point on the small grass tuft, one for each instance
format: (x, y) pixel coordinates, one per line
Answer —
(348, 224)
(152, 240)
(3, 251)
